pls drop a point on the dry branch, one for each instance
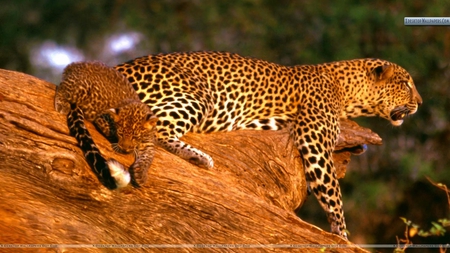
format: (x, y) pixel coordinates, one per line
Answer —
(50, 196)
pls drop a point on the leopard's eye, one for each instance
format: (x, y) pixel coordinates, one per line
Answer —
(408, 85)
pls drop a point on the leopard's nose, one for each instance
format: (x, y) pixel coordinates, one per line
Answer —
(419, 100)
(417, 97)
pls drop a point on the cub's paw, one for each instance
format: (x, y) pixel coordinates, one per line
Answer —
(119, 173)
(138, 175)
(105, 124)
(61, 106)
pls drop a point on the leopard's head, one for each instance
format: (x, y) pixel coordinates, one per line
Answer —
(396, 95)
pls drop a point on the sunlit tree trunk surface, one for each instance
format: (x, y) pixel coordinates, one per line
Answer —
(49, 195)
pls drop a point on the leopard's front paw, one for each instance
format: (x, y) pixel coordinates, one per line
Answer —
(204, 161)
(335, 229)
(337, 226)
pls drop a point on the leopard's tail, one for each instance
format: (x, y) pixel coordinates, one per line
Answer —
(110, 172)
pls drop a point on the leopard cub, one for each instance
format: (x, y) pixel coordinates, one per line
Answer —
(100, 94)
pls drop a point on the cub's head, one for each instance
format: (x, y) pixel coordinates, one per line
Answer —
(132, 127)
(396, 95)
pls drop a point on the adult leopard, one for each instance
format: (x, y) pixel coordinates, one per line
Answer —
(217, 91)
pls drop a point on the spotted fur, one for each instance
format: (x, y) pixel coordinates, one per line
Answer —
(213, 91)
(98, 93)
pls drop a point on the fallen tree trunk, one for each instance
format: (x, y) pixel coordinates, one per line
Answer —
(49, 195)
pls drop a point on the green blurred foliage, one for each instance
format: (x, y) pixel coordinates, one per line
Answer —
(286, 32)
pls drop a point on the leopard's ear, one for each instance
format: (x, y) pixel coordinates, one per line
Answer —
(383, 72)
(114, 113)
(150, 121)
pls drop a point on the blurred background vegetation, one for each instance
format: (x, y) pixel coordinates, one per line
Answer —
(41, 37)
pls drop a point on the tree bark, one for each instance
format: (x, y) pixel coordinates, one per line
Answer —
(49, 195)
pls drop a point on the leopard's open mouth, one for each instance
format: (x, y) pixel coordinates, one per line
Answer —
(398, 114)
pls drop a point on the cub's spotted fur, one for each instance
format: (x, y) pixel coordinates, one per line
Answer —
(212, 91)
(98, 93)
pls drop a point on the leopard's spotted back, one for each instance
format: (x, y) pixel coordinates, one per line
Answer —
(215, 91)
(98, 93)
